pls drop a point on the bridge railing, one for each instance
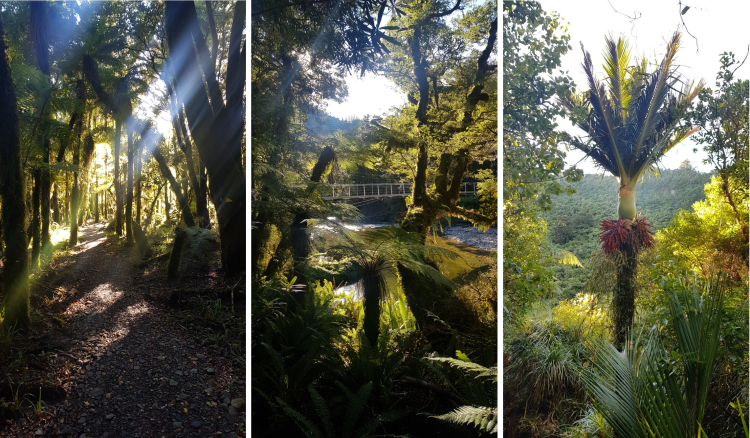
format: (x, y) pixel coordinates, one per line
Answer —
(378, 190)
(372, 190)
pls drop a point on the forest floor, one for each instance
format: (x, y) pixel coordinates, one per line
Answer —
(115, 357)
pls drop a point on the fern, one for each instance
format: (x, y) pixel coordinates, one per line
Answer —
(468, 367)
(482, 417)
(566, 258)
(308, 427)
(356, 404)
(323, 412)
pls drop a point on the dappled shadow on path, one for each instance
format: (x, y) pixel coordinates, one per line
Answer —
(128, 369)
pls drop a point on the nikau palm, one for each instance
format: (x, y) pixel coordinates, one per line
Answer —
(633, 120)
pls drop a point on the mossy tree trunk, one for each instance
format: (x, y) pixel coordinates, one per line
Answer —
(422, 294)
(15, 274)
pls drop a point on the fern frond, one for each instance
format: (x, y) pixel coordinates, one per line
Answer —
(482, 417)
(356, 404)
(305, 425)
(468, 367)
(566, 258)
(323, 412)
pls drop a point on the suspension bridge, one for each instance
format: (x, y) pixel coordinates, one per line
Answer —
(379, 190)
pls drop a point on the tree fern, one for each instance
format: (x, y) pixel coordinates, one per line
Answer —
(484, 418)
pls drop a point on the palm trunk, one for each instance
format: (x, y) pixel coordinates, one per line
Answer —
(626, 200)
(623, 301)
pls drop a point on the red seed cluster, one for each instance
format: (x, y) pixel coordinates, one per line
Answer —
(623, 233)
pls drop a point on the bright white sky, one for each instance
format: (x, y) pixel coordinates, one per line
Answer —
(371, 95)
(719, 25)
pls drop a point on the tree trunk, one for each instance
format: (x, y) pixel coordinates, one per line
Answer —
(166, 206)
(216, 129)
(66, 196)
(81, 97)
(153, 206)
(129, 198)
(138, 189)
(372, 287)
(46, 186)
(96, 201)
(38, 31)
(15, 274)
(116, 176)
(623, 301)
(626, 201)
(35, 218)
(55, 204)
(187, 216)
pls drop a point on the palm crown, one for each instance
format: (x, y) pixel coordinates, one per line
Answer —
(634, 116)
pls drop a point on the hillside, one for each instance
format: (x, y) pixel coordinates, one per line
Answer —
(573, 222)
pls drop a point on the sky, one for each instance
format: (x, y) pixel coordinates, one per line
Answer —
(719, 26)
(371, 95)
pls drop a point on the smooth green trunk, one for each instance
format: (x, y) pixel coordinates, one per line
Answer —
(626, 201)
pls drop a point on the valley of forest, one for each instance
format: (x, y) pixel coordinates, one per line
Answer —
(625, 293)
(123, 225)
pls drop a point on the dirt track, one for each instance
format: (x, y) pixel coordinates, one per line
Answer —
(127, 370)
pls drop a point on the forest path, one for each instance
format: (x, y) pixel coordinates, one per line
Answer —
(127, 369)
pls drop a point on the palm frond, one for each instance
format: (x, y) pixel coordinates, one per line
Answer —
(639, 392)
(657, 89)
(613, 388)
(604, 128)
(616, 62)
